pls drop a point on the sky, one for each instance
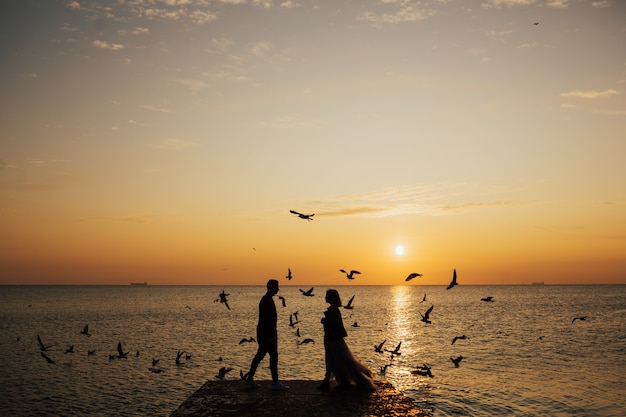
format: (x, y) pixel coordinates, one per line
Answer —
(166, 141)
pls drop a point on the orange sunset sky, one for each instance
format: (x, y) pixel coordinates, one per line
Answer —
(166, 141)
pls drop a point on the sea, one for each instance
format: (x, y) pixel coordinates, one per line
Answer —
(528, 352)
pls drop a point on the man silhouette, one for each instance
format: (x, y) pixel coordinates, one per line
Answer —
(267, 338)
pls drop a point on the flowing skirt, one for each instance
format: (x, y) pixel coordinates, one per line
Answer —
(346, 367)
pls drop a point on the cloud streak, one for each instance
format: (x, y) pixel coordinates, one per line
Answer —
(423, 200)
(590, 94)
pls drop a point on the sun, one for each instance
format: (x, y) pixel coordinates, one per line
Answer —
(399, 250)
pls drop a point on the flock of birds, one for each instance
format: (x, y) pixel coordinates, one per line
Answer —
(183, 356)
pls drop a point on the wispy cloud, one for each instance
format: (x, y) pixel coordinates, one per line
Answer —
(591, 94)
(194, 85)
(508, 3)
(602, 3)
(106, 45)
(395, 12)
(424, 200)
(154, 108)
(175, 144)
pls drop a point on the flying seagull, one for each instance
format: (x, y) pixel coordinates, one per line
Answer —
(306, 341)
(349, 306)
(85, 330)
(423, 370)
(462, 337)
(383, 369)
(120, 352)
(350, 275)
(308, 217)
(487, 299)
(413, 275)
(425, 316)
(282, 300)
(308, 293)
(43, 347)
(223, 299)
(248, 340)
(70, 349)
(222, 372)
(423, 299)
(46, 358)
(453, 282)
(379, 348)
(289, 276)
(179, 355)
(396, 351)
(581, 318)
(292, 323)
(456, 361)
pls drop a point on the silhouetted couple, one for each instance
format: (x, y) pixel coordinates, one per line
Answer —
(346, 368)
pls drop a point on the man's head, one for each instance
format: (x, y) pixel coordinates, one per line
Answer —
(272, 286)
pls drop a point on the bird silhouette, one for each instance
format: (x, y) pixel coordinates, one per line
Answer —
(350, 275)
(581, 318)
(222, 372)
(456, 361)
(453, 282)
(179, 355)
(426, 315)
(413, 275)
(462, 337)
(536, 23)
(423, 299)
(487, 299)
(85, 330)
(379, 348)
(308, 217)
(396, 351)
(308, 293)
(247, 340)
(423, 370)
(155, 362)
(43, 347)
(293, 320)
(306, 341)
(349, 306)
(383, 369)
(289, 276)
(222, 299)
(46, 357)
(91, 352)
(120, 352)
(70, 349)
(282, 300)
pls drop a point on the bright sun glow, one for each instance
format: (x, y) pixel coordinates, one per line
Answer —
(399, 250)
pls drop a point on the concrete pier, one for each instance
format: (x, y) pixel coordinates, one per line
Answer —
(233, 398)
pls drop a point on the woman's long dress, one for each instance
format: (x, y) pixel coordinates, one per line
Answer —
(344, 366)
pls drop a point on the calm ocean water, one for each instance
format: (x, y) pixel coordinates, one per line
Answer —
(523, 355)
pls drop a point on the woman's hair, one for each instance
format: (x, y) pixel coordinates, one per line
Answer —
(332, 296)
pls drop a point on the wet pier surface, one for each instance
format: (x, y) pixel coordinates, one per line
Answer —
(233, 398)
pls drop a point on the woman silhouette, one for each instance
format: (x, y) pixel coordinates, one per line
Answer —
(340, 362)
